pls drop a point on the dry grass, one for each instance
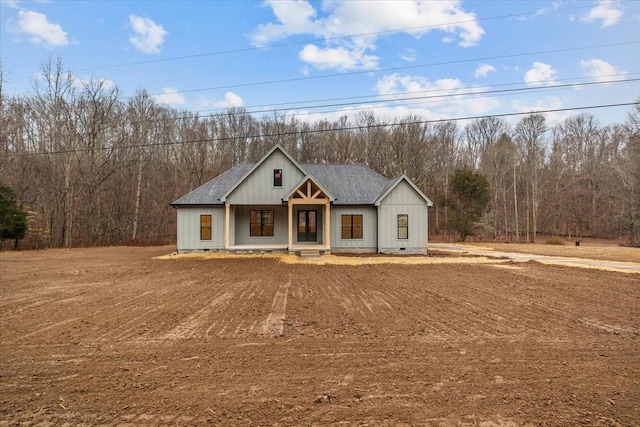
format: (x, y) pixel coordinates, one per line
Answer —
(344, 260)
(555, 241)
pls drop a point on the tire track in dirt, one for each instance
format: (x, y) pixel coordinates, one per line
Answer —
(42, 329)
(274, 323)
(188, 327)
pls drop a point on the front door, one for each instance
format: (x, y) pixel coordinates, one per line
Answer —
(307, 226)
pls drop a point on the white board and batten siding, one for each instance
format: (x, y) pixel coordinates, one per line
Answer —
(189, 228)
(403, 199)
(368, 243)
(258, 189)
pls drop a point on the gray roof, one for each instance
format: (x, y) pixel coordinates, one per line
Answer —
(210, 192)
(349, 184)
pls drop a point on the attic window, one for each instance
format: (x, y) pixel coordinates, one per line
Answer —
(277, 177)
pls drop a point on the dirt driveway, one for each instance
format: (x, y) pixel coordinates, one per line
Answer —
(117, 337)
(625, 260)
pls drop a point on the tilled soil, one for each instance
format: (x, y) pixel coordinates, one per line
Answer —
(113, 336)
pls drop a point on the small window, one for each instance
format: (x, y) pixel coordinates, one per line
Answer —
(403, 226)
(352, 226)
(205, 227)
(277, 177)
(261, 223)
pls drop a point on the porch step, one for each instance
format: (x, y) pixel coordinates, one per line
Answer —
(308, 253)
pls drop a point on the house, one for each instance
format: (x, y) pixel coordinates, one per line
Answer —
(278, 204)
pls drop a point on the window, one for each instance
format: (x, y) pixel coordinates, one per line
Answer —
(261, 223)
(277, 177)
(403, 226)
(205, 227)
(352, 226)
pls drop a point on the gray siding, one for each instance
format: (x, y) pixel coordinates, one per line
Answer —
(368, 243)
(189, 228)
(402, 200)
(241, 226)
(258, 187)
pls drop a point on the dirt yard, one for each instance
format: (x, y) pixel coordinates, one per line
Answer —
(116, 337)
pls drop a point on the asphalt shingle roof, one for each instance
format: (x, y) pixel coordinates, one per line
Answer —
(348, 184)
(210, 192)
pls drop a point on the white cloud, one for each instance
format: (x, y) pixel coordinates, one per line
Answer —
(231, 100)
(607, 11)
(541, 11)
(540, 75)
(483, 70)
(601, 71)
(340, 58)
(294, 17)
(170, 96)
(409, 55)
(147, 36)
(341, 20)
(443, 98)
(40, 30)
(542, 104)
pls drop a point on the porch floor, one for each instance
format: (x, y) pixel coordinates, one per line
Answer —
(296, 248)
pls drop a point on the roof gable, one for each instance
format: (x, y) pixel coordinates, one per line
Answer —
(306, 178)
(264, 158)
(393, 183)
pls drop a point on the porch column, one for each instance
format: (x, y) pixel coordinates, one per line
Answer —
(227, 226)
(290, 227)
(327, 226)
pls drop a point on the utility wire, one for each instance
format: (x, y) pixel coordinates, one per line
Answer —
(374, 98)
(316, 131)
(396, 98)
(448, 94)
(332, 38)
(405, 67)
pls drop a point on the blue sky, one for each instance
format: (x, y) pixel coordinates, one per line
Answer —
(322, 59)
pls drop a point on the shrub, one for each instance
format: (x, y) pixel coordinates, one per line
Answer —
(554, 240)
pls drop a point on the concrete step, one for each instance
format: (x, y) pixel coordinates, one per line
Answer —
(307, 253)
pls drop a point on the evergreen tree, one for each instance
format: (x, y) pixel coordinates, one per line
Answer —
(13, 219)
(468, 201)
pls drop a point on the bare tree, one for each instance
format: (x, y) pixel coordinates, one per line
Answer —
(529, 134)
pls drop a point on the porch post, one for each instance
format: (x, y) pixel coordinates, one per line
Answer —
(327, 226)
(290, 227)
(227, 226)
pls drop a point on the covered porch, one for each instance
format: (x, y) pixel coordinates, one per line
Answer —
(302, 223)
(308, 217)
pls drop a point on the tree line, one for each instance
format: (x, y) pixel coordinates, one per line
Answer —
(92, 167)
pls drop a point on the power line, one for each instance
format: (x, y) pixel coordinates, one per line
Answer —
(331, 38)
(401, 97)
(315, 131)
(433, 94)
(471, 94)
(405, 67)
